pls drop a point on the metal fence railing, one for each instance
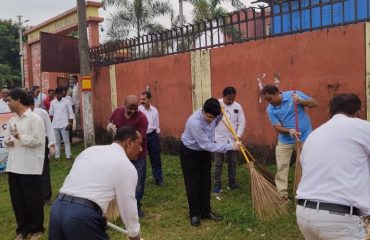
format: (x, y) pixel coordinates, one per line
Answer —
(285, 17)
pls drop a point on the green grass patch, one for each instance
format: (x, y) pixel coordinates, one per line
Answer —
(166, 209)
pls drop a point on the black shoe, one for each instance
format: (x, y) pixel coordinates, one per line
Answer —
(234, 186)
(140, 214)
(159, 183)
(195, 221)
(211, 216)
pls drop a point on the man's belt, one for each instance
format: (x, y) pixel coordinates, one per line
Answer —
(81, 201)
(152, 132)
(331, 207)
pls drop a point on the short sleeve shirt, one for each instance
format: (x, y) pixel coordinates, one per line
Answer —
(284, 114)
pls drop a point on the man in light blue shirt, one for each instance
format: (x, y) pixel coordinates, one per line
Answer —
(197, 143)
(282, 116)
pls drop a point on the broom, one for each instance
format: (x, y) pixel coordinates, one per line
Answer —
(263, 170)
(266, 200)
(112, 210)
(298, 166)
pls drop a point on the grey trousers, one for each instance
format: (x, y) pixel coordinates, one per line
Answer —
(231, 158)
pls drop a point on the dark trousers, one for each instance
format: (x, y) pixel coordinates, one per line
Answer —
(75, 222)
(232, 159)
(45, 177)
(140, 166)
(196, 168)
(154, 150)
(26, 197)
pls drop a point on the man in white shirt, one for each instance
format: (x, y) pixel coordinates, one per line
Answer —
(4, 108)
(76, 101)
(67, 95)
(152, 134)
(49, 145)
(39, 97)
(25, 139)
(98, 175)
(62, 120)
(334, 192)
(235, 114)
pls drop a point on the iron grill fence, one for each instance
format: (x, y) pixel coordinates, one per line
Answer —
(280, 18)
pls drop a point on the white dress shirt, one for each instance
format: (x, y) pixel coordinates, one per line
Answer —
(335, 162)
(236, 116)
(61, 111)
(69, 98)
(4, 108)
(100, 174)
(75, 95)
(27, 154)
(47, 123)
(153, 118)
(39, 100)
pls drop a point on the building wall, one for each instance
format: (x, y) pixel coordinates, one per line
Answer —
(169, 80)
(320, 63)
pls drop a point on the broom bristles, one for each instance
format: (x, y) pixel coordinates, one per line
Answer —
(298, 168)
(267, 201)
(112, 211)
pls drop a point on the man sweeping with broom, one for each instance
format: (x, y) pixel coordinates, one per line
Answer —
(197, 145)
(282, 115)
(98, 175)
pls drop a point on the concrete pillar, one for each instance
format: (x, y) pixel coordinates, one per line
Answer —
(201, 77)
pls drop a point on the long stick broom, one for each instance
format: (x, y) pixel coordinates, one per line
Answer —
(263, 170)
(112, 215)
(298, 166)
(266, 200)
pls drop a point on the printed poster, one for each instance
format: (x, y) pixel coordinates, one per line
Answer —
(4, 118)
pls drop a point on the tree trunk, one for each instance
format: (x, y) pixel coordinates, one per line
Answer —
(181, 13)
(87, 109)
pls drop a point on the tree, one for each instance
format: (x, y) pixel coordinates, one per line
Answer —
(10, 74)
(212, 9)
(137, 16)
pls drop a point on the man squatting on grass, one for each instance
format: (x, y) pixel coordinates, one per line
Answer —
(334, 191)
(197, 145)
(98, 175)
(282, 116)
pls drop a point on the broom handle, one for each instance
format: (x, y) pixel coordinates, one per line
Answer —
(231, 129)
(115, 227)
(245, 149)
(296, 113)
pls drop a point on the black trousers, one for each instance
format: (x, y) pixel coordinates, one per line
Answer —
(45, 177)
(26, 198)
(154, 150)
(72, 221)
(196, 168)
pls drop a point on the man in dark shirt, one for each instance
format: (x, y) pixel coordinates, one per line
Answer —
(130, 116)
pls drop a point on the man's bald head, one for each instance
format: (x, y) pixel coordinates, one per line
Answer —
(131, 99)
(131, 105)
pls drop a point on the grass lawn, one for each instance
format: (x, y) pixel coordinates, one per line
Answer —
(166, 209)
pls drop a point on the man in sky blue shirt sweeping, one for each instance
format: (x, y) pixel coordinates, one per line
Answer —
(282, 116)
(197, 144)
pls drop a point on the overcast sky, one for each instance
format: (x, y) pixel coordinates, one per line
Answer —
(38, 11)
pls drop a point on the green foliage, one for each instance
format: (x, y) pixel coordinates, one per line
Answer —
(10, 74)
(136, 16)
(166, 209)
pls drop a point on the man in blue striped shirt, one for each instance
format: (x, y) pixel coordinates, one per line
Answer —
(197, 144)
